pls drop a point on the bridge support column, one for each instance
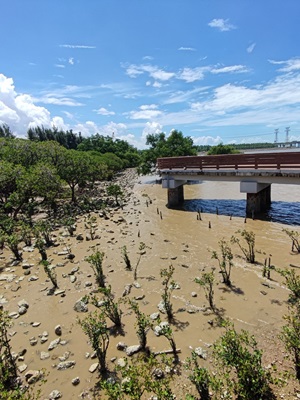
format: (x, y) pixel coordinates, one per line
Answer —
(175, 191)
(175, 196)
(258, 196)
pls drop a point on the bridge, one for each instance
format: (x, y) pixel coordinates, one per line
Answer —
(255, 172)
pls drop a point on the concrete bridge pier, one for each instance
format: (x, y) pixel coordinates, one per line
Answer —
(175, 191)
(258, 196)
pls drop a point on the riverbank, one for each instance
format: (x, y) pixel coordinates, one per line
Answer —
(172, 237)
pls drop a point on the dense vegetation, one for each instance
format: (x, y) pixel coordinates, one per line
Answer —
(239, 146)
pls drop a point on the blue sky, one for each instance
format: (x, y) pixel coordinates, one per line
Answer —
(217, 70)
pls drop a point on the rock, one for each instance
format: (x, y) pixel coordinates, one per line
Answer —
(121, 362)
(70, 256)
(32, 376)
(154, 316)
(65, 356)
(33, 341)
(88, 284)
(141, 297)
(53, 344)
(121, 346)
(58, 330)
(79, 237)
(127, 290)
(158, 373)
(65, 365)
(23, 303)
(35, 324)
(194, 294)
(80, 306)
(22, 368)
(33, 278)
(93, 367)
(161, 307)
(44, 355)
(201, 352)
(73, 278)
(76, 381)
(22, 310)
(14, 315)
(55, 394)
(130, 350)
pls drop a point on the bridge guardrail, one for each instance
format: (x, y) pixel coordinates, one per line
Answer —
(277, 161)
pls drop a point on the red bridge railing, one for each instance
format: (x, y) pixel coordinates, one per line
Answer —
(278, 161)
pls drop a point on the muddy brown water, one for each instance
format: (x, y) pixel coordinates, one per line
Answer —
(172, 237)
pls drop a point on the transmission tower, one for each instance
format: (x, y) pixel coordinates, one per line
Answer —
(287, 130)
(276, 135)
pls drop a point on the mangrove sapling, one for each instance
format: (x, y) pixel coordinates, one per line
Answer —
(168, 287)
(224, 260)
(90, 224)
(142, 251)
(294, 236)
(249, 237)
(116, 192)
(207, 282)
(12, 241)
(94, 326)
(240, 363)
(166, 331)
(142, 324)
(40, 245)
(43, 229)
(50, 272)
(291, 336)
(8, 365)
(26, 233)
(110, 308)
(96, 260)
(138, 377)
(200, 377)
(293, 284)
(126, 259)
(69, 224)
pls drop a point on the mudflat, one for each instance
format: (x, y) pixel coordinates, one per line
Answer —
(171, 237)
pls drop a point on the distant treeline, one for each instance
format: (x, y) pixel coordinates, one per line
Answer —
(240, 146)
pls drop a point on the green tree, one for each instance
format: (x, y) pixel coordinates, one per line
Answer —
(168, 286)
(207, 282)
(249, 238)
(5, 132)
(115, 191)
(225, 261)
(96, 261)
(94, 326)
(221, 149)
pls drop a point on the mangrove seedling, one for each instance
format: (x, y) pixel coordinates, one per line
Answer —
(94, 326)
(126, 259)
(142, 324)
(224, 260)
(12, 241)
(50, 272)
(294, 236)
(142, 251)
(207, 282)
(110, 308)
(96, 260)
(168, 286)
(249, 238)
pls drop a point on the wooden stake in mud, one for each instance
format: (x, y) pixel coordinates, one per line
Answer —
(160, 213)
(209, 225)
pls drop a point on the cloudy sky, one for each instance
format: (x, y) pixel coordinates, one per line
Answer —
(217, 70)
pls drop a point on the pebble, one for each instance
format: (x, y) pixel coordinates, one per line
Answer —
(53, 344)
(76, 381)
(55, 394)
(93, 367)
(65, 365)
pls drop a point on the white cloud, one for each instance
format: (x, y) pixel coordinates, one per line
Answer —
(251, 48)
(206, 140)
(192, 74)
(186, 49)
(150, 129)
(147, 58)
(59, 66)
(18, 111)
(145, 112)
(76, 46)
(154, 72)
(291, 65)
(230, 69)
(71, 61)
(104, 111)
(157, 85)
(59, 101)
(222, 24)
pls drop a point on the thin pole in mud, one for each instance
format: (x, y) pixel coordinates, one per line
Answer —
(209, 224)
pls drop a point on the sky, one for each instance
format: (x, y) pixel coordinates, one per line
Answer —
(216, 70)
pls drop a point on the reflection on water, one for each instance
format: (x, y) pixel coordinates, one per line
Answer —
(280, 211)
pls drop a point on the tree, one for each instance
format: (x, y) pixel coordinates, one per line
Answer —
(240, 361)
(294, 236)
(168, 286)
(115, 191)
(94, 326)
(96, 260)
(161, 146)
(142, 324)
(110, 307)
(224, 260)
(249, 237)
(222, 149)
(291, 336)
(5, 132)
(207, 282)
